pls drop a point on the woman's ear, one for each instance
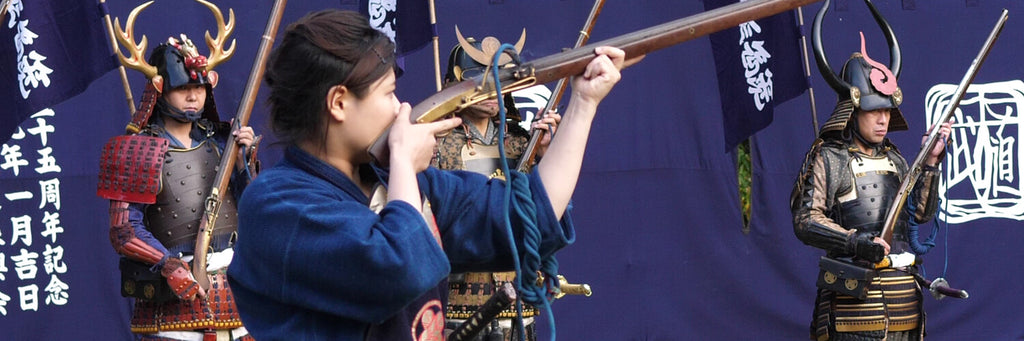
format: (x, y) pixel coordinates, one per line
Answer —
(336, 102)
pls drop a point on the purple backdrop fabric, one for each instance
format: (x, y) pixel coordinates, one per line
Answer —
(660, 235)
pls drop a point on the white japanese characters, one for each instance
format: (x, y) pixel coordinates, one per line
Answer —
(754, 58)
(32, 72)
(31, 229)
(982, 179)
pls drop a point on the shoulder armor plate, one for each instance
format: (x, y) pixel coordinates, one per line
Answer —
(130, 168)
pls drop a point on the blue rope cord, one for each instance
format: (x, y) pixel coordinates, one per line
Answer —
(945, 227)
(526, 211)
(245, 166)
(921, 248)
(913, 234)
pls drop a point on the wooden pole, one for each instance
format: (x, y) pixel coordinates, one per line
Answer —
(120, 68)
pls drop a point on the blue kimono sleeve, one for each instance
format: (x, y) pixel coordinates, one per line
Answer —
(469, 211)
(306, 244)
(136, 214)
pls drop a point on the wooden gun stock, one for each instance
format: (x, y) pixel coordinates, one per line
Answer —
(227, 160)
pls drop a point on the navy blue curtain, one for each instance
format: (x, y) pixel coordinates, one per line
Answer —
(660, 236)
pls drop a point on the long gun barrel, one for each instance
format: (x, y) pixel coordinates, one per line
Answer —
(227, 160)
(914, 173)
(572, 62)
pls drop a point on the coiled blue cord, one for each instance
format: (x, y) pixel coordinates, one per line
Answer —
(525, 209)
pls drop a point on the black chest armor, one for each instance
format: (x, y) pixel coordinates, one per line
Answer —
(876, 182)
(187, 177)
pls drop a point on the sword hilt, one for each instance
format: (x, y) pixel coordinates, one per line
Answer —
(503, 298)
(940, 288)
(566, 288)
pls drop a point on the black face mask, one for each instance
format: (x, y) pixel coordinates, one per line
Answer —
(178, 115)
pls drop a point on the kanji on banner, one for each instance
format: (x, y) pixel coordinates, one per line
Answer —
(40, 37)
(407, 23)
(758, 65)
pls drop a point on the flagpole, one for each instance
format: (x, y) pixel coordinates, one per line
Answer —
(437, 54)
(113, 48)
(3, 8)
(807, 70)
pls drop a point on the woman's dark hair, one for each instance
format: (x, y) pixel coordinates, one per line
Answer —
(319, 51)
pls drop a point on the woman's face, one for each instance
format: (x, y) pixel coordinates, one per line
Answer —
(367, 117)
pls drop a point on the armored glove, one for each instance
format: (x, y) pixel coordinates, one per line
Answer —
(179, 277)
(860, 244)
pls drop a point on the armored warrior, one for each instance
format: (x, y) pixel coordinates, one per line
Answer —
(847, 183)
(158, 179)
(473, 146)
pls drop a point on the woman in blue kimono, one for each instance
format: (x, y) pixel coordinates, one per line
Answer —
(332, 247)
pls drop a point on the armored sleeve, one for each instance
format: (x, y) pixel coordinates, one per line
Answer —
(809, 203)
(925, 196)
(448, 154)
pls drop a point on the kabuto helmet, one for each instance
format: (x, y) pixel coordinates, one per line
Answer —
(175, 63)
(470, 58)
(178, 63)
(863, 83)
